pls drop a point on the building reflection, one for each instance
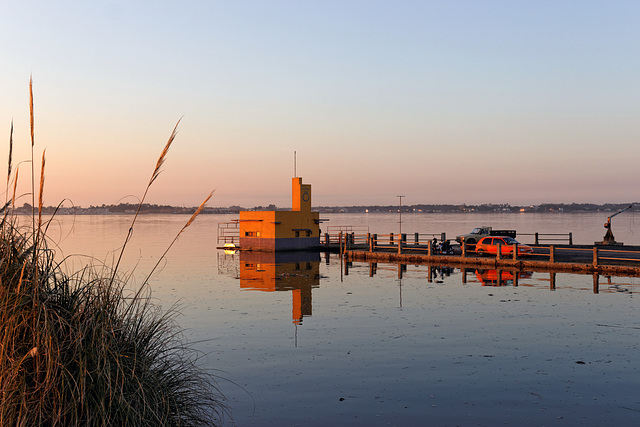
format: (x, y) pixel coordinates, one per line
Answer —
(298, 272)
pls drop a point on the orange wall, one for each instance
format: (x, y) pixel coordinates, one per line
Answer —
(261, 223)
(300, 195)
(278, 224)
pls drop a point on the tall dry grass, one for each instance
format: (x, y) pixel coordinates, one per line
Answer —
(81, 349)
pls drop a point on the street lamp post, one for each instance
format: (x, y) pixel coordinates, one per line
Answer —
(400, 224)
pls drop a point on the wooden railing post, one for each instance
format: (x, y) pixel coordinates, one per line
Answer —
(375, 242)
(463, 245)
(595, 256)
(536, 238)
(552, 254)
(515, 251)
(369, 242)
(391, 239)
(571, 238)
(499, 251)
(417, 237)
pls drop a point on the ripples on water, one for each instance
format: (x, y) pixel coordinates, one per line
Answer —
(307, 343)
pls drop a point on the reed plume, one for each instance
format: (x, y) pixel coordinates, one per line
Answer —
(10, 162)
(15, 185)
(189, 222)
(41, 192)
(31, 116)
(33, 188)
(154, 175)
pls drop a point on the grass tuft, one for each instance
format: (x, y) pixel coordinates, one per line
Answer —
(84, 349)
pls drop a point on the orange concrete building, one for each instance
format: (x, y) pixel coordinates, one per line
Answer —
(297, 229)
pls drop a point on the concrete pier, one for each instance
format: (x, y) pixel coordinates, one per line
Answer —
(579, 260)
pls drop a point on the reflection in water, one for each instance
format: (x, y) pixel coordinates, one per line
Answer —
(501, 277)
(439, 273)
(297, 272)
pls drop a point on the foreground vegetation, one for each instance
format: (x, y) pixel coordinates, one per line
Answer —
(84, 348)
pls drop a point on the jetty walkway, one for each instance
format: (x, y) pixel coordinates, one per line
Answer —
(586, 259)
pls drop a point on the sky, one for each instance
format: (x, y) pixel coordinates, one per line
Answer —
(457, 101)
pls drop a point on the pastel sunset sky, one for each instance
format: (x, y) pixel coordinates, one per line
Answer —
(457, 101)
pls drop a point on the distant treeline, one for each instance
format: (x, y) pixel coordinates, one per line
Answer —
(128, 208)
(434, 208)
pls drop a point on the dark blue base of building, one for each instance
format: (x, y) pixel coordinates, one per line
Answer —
(291, 244)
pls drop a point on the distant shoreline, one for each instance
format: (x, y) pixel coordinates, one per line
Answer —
(130, 209)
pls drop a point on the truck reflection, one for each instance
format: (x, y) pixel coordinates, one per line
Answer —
(298, 272)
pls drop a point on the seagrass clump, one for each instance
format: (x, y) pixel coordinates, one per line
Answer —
(80, 349)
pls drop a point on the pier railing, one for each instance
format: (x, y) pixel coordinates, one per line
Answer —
(549, 237)
(357, 236)
(596, 255)
(430, 245)
(229, 232)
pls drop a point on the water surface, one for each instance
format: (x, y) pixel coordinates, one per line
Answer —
(304, 342)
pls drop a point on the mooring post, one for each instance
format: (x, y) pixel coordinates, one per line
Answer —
(571, 238)
(596, 283)
(595, 256)
(417, 237)
(552, 254)
(536, 238)
(464, 275)
(430, 276)
(552, 281)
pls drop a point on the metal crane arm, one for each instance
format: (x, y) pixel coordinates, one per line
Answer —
(608, 224)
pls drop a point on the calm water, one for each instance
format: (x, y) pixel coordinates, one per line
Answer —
(302, 343)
